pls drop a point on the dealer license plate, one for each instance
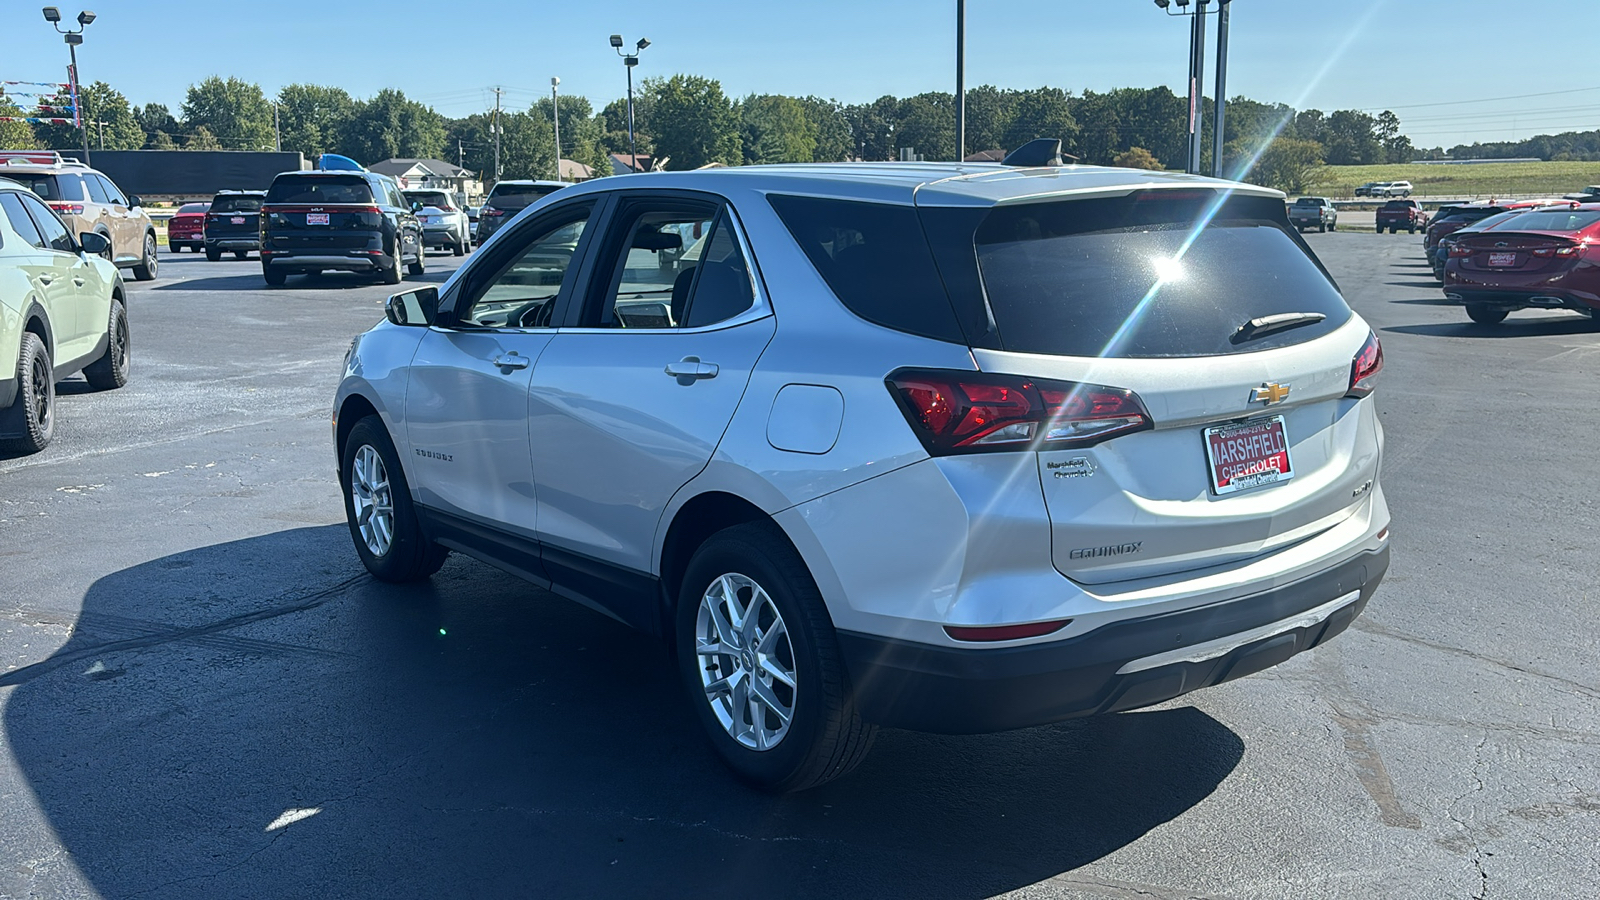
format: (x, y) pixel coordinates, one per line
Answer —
(1502, 259)
(1248, 454)
(316, 218)
(237, 220)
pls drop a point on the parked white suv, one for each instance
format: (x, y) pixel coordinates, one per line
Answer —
(957, 448)
(1397, 189)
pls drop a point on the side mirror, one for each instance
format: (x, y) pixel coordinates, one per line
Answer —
(418, 307)
(416, 206)
(133, 200)
(94, 243)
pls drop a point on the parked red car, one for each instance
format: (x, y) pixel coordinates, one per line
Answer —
(1542, 258)
(187, 228)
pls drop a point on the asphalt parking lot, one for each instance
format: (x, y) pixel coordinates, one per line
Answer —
(202, 694)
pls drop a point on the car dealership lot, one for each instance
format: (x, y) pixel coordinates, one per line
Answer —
(203, 694)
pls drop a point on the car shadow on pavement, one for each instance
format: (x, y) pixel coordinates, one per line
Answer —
(1416, 284)
(1513, 327)
(261, 718)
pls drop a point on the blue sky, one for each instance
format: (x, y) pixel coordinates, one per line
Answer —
(1368, 54)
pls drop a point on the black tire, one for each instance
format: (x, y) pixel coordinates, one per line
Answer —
(274, 277)
(213, 254)
(30, 422)
(1484, 314)
(459, 248)
(241, 254)
(391, 274)
(1411, 229)
(826, 736)
(110, 371)
(148, 265)
(1322, 227)
(416, 269)
(409, 556)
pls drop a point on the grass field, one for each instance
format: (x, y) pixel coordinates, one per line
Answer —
(1482, 180)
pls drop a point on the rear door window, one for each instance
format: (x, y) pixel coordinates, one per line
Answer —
(320, 189)
(114, 196)
(55, 234)
(97, 190)
(1150, 276)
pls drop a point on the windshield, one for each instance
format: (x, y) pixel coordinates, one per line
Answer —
(248, 204)
(437, 199)
(319, 189)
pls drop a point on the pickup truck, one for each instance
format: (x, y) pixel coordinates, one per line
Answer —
(1590, 194)
(1313, 212)
(1398, 214)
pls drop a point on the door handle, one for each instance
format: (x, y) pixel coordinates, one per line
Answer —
(691, 369)
(46, 278)
(512, 361)
(77, 281)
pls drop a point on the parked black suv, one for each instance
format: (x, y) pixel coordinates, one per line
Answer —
(350, 221)
(509, 198)
(234, 223)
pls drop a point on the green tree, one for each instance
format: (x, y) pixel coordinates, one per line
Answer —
(835, 136)
(1349, 139)
(1397, 147)
(202, 139)
(1040, 113)
(874, 124)
(927, 124)
(160, 140)
(390, 125)
(121, 130)
(312, 117)
(693, 122)
(989, 115)
(776, 129)
(1287, 164)
(613, 121)
(526, 149)
(234, 111)
(155, 119)
(581, 131)
(1137, 158)
(15, 135)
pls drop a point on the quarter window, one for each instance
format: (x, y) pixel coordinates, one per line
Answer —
(97, 189)
(55, 235)
(17, 215)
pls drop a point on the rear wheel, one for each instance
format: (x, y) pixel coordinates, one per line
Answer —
(1484, 314)
(759, 658)
(420, 266)
(111, 370)
(213, 254)
(377, 505)
(30, 421)
(459, 248)
(147, 267)
(274, 277)
(241, 254)
(390, 274)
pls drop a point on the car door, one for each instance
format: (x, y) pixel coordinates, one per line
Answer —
(628, 404)
(466, 404)
(60, 275)
(127, 236)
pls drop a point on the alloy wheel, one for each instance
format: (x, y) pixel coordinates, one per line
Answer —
(150, 261)
(41, 393)
(371, 500)
(746, 661)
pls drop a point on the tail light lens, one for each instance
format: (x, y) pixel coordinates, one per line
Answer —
(973, 412)
(491, 212)
(1365, 368)
(70, 209)
(1457, 251)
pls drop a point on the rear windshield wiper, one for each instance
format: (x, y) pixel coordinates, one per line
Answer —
(1265, 325)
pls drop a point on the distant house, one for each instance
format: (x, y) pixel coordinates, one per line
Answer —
(620, 163)
(415, 174)
(572, 170)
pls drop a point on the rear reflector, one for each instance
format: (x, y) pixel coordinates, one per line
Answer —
(1004, 632)
(1365, 368)
(974, 412)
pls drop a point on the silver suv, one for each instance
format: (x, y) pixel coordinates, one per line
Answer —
(956, 448)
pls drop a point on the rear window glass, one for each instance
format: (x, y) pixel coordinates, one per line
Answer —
(194, 207)
(319, 189)
(236, 204)
(1397, 204)
(50, 187)
(1555, 220)
(1468, 215)
(875, 260)
(535, 190)
(431, 198)
(1308, 201)
(1149, 276)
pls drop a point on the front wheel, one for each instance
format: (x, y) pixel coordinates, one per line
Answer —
(758, 655)
(420, 266)
(377, 506)
(1484, 314)
(146, 269)
(110, 371)
(30, 421)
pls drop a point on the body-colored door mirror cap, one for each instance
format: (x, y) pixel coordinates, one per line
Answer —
(418, 307)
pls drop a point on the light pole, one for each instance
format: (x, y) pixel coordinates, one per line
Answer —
(73, 39)
(555, 115)
(1197, 71)
(629, 60)
(961, 80)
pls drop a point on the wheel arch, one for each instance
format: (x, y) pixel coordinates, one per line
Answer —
(695, 521)
(352, 409)
(36, 321)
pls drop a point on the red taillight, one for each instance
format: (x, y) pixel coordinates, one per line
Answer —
(1004, 632)
(974, 412)
(71, 209)
(1458, 251)
(491, 212)
(1365, 368)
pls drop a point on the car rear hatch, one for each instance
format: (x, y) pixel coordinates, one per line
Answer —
(1235, 345)
(1545, 242)
(321, 213)
(234, 218)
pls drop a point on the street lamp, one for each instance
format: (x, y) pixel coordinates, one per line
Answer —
(629, 60)
(555, 114)
(1197, 72)
(73, 39)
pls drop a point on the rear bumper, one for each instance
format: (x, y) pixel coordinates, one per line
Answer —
(307, 263)
(437, 236)
(1523, 298)
(1122, 665)
(242, 242)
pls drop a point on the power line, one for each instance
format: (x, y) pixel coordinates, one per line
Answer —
(1479, 100)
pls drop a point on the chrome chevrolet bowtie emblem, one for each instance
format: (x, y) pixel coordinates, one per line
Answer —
(1269, 393)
